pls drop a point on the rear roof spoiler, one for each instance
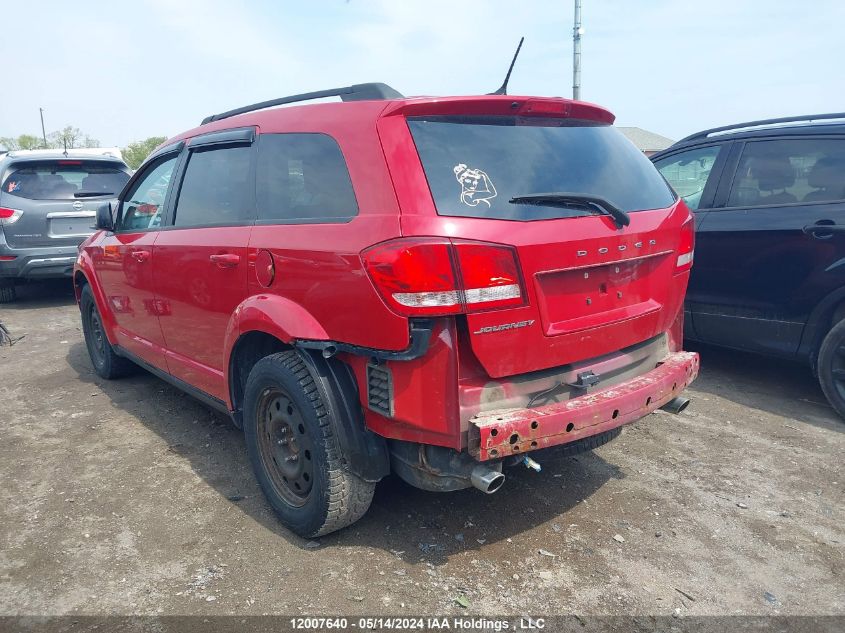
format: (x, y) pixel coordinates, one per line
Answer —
(357, 92)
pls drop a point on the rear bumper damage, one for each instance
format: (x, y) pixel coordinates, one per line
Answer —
(500, 433)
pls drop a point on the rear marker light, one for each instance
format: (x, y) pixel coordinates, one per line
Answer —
(9, 216)
(686, 247)
(685, 259)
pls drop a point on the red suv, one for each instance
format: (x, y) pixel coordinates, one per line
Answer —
(434, 287)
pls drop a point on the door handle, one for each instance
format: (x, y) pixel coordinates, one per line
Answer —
(824, 229)
(140, 256)
(225, 260)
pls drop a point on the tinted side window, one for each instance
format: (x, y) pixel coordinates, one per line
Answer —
(303, 178)
(688, 172)
(144, 204)
(216, 189)
(788, 172)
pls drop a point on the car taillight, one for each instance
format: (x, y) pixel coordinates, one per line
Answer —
(686, 246)
(490, 275)
(9, 216)
(430, 276)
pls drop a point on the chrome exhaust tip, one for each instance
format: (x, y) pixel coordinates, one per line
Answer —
(676, 405)
(486, 479)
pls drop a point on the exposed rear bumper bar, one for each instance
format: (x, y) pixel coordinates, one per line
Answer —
(497, 434)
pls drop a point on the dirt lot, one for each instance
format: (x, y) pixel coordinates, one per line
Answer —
(129, 497)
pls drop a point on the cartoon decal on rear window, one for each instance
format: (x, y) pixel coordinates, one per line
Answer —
(476, 186)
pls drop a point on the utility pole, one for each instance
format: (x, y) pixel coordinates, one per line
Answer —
(577, 32)
(43, 131)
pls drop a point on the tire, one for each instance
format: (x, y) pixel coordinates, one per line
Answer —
(294, 452)
(106, 362)
(831, 367)
(7, 293)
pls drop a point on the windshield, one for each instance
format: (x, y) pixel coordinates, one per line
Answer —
(64, 179)
(475, 165)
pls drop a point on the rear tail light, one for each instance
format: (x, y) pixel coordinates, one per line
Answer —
(686, 246)
(430, 276)
(490, 275)
(9, 216)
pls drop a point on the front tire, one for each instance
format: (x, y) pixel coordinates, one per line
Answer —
(106, 362)
(831, 367)
(294, 452)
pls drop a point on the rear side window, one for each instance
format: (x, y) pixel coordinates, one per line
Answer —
(688, 172)
(789, 171)
(216, 189)
(302, 178)
(475, 165)
(64, 179)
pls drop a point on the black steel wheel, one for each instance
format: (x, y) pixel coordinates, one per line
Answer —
(831, 367)
(106, 362)
(295, 454)
(283, 440)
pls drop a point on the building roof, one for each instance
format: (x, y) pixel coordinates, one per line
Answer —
(644, 140)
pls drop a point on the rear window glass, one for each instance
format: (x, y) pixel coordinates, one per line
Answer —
(475, 165)
(64, 179)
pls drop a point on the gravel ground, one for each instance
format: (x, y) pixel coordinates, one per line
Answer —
(129, 497)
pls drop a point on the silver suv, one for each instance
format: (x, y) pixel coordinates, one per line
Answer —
(48, 202)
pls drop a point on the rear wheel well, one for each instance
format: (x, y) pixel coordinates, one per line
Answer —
(248, 350)
(836, 315)
(830, 318)
(79, 282)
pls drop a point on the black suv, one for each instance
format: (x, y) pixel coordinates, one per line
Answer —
(769, 274)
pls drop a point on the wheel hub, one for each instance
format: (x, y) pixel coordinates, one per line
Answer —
(97, 332)
(286, 445)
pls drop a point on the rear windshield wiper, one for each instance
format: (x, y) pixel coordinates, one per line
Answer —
(92, 194)
(578, 200)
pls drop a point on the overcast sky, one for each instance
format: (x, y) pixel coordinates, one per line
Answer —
(123, 71)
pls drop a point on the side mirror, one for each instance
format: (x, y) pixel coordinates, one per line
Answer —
(105, 221)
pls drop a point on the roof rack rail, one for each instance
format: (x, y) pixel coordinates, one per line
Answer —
(357, 92)
(763, 123)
